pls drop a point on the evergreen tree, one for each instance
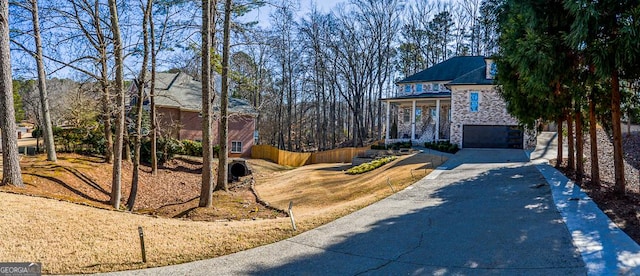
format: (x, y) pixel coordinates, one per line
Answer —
(607, 33)
(535, 66)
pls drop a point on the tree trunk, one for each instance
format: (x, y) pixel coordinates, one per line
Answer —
(206, 190)
(117, 163)
(106, 107)
(628, 124)
(595, 166)
(138, 108)
(618, 162)
(579, 146)
(11, 173)
(152, 91)
(126, 146)
(223, 130)
(571, 161)
(560, 157)
(47, 130)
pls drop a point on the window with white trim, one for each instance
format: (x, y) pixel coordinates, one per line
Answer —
(407, 88)
(435, 87)
(406, 115)
(419, 88)
(236, 147)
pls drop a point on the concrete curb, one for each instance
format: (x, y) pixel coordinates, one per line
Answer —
(605, 248)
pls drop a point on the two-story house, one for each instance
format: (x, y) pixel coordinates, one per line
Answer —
(457, 101)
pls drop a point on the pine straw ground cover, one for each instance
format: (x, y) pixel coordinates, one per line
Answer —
(63, 220)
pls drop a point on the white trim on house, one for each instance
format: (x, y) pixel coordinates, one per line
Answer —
(236, 147)
(412, 116)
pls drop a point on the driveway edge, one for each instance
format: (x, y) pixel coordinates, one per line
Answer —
(605, 248)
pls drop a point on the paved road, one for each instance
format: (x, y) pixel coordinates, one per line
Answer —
(487, 212)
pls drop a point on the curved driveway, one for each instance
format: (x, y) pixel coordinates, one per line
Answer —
(483, 212)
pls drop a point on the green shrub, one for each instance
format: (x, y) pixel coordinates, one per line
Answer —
(36, 133)
(443, 146)
(86, 140)
(192, 148)
(216, 151)
(369, 166)
(167, 148)
(378, 147)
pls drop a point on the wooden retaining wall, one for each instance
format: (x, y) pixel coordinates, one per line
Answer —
(298, 159)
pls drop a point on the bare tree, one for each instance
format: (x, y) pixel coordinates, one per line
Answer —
(223, 130)
(157, 45)
(11, 173)
(152, 91)
(206, 191)
(86, 35)
(120, 120)
(140, 86)
(42, 86)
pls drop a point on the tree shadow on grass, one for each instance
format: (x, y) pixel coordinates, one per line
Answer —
(81, 176)
(187, 170)
(428, 161)
(337, 168)
(66, 186)
(185, 212)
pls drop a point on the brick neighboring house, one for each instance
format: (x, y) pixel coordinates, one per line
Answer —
(179, 104)
(457, 101)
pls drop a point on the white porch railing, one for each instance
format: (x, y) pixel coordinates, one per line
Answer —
(415, 142)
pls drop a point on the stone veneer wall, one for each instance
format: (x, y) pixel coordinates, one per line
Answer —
(424, 124)
(491, 111)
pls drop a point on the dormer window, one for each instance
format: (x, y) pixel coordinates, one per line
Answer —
(407, 88)
(419, 88)
(492, 68)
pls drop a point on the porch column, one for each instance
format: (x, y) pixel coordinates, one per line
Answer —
(386, 130)
(437, 120)
(413, 120)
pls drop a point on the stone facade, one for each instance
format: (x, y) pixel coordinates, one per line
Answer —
(491, 111)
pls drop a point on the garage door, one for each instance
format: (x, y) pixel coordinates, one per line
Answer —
(476, 136)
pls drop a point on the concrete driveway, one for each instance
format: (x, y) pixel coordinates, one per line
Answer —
(484, 212)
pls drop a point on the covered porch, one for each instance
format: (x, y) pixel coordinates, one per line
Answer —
(425, 118)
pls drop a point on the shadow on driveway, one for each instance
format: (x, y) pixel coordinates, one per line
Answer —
(496, 221)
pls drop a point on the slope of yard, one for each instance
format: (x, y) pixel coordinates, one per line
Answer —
(322, 188)
(90, 237)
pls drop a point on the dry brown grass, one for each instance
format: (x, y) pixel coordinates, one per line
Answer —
(72, 238)
(325, 188)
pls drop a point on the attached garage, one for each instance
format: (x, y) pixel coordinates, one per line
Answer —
(494, 136)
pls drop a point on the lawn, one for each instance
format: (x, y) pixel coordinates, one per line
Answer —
(77, 232)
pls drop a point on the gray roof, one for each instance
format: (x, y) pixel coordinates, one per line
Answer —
(475, 77)
(447, 70)
(182, 91)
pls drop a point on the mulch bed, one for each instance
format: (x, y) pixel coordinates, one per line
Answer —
(623, 210)
(174, 192)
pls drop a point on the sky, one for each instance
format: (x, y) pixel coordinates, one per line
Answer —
(262, 14)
